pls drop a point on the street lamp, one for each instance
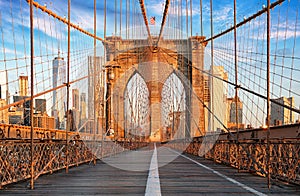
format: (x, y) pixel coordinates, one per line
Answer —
(110, 80)
(111, 74)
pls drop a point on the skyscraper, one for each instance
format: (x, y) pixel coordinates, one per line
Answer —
(3, 113)
(3, 85)
(40, 105)
(23, 85)
(82, 108)
(75, 98)
(59, 95)
(231, 113)
(281, 115)
(206, 101)
(91, 85)
(218, 96)
(75, 106)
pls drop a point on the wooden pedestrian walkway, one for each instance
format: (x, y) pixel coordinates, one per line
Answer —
(128, 174)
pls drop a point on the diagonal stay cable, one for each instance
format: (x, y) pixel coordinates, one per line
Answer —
(245, 21)
(244, 88)
(163, 20)
(64, 20)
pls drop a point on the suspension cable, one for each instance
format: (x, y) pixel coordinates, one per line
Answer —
(143, 9)
(163, 20)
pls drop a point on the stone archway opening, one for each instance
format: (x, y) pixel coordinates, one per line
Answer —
(173, 109)
(136, 109)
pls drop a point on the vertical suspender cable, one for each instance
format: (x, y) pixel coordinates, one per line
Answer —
(181, 25)
(103, 93)
(191, 50)
(31, 95)
(201, 20)
(201, 26)
(126, 18)
(133, 19)
(126, 37)
(68, 88)
(186, 19)
(131, 25)
(120, 17)
(236, 86)
(104, 20)
(116, 18)
(212, 66)
(268, 94)
(172, 21)
(96, 86)
(188, 65)
(191, 17)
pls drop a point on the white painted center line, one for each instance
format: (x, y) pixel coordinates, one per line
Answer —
(153, 183)
(223, 176)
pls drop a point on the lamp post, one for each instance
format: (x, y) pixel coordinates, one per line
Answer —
(110, 80)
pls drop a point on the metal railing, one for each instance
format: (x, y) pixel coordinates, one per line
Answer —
(284, 155)
(51, 155)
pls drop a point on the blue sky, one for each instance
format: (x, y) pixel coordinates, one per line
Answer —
(49, 33)
(82, 12)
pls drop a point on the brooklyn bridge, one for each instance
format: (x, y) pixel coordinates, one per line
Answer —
(158, 97)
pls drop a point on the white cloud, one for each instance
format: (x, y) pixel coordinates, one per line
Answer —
(13, 52)
(278, 31)
(285, 30)
(157, 8)
(223, 15)
(284, 34)
(83, 18)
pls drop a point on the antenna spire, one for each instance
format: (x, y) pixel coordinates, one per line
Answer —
(58, 50)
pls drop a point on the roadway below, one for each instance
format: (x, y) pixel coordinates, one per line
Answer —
(151, 171)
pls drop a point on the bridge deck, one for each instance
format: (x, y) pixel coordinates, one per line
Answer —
(185, 175)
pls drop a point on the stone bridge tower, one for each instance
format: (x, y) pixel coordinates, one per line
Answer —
(155, 64)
